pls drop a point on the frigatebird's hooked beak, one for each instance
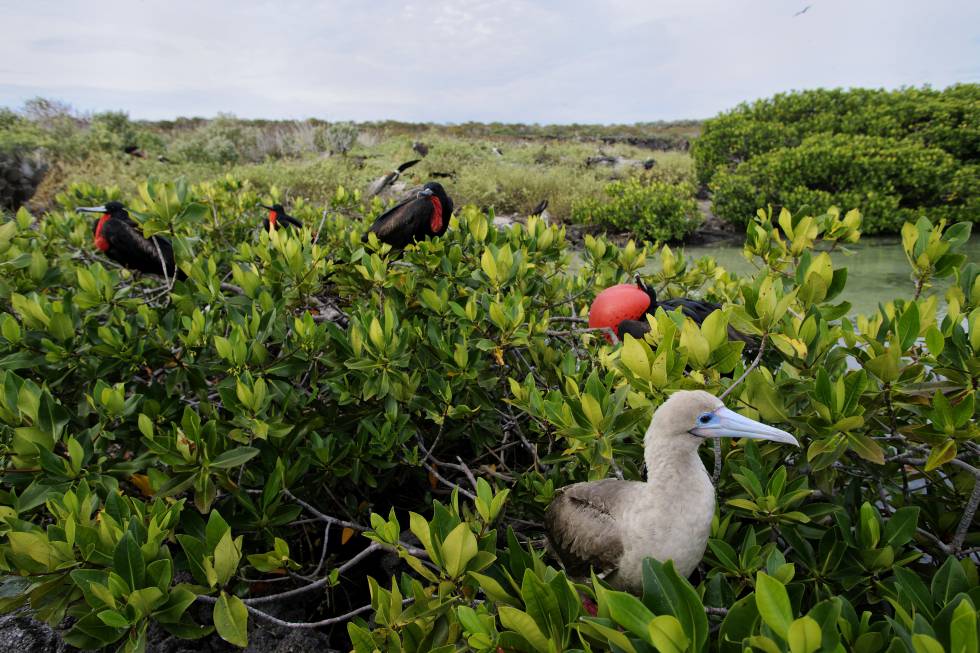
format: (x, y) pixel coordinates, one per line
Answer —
(725, 423)
(90, 209)
(425, 192)
(267, 207)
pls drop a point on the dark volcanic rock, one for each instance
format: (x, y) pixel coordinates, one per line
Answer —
(19, 632)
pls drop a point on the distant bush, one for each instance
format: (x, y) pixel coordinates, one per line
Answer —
(112, 131)
(339, 137)
(892, 180)
(948, 120)
(894, 154)
(655, 211)
(222, 140)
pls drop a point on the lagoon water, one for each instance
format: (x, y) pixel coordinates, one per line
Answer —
(877, 270)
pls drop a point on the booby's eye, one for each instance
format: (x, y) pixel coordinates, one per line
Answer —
(704, 418)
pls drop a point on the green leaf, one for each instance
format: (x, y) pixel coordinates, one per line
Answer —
(627, 610)
(128, 562)
(667, 634)
(113, 619)
(963, 629)
(773, 603)
(234, 457)
(900, 528)
(459, 548)
(227, 555)
(949, 581)
(804, 635)
(926, 644)
(522, 624)
(665, 592)
(231, 619)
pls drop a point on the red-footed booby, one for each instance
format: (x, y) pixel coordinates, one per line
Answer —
(612, 525)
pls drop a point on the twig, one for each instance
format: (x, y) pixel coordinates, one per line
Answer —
(718, 611)
(466, 470)
(935, 540)
(568, 318)
(716, 444)
(316, 236)
(230, 287)
(607, 330)
(748, 370)
(371, 548)
(466, 493)
(324, 517)
(967, 518)
(163, 264)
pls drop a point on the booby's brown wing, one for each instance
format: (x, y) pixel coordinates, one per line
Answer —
(583, 525)
(403, 223)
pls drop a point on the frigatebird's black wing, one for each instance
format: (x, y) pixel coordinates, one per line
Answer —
(636, 328)
(131, 249)
(290, 220)
(695, 309)
(400, 225)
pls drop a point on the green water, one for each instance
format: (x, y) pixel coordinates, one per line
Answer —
(877, 270)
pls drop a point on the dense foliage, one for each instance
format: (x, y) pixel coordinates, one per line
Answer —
(178, 454)
(895, 154)
(653, 211)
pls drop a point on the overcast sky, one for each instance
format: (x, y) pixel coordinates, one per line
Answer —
(458, 60)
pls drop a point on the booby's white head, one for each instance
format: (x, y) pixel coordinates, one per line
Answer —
(688, 417)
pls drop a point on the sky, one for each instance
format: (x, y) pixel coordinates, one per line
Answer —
(615, 61)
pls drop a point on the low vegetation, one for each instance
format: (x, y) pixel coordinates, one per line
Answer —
(198, 456)
(509, 168)
(653, 211)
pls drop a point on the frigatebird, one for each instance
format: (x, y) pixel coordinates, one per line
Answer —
(613, 525)
(541, 210)
(378, 185)
(420, 148)
(122, 240)
(624, 308)
(423, 215)
(279, 218)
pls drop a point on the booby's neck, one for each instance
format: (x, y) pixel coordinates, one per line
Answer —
(667, 458)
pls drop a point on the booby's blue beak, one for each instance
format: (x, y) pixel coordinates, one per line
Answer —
(725, 423)
(90, 209)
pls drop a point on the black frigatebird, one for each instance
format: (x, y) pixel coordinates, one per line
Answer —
(279, 218)
(122, 240)
(420, 148)
(424, 215)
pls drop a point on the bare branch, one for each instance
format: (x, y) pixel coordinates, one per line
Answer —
(967, 518)
(716, 445)
(607, 330)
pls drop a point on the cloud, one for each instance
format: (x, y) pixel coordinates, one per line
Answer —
(442, 60)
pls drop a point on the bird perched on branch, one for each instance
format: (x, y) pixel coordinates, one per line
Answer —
(279, 218)
(624, 308)
(122, 240)
(378, 185)
(424, 215)
(613, 525)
